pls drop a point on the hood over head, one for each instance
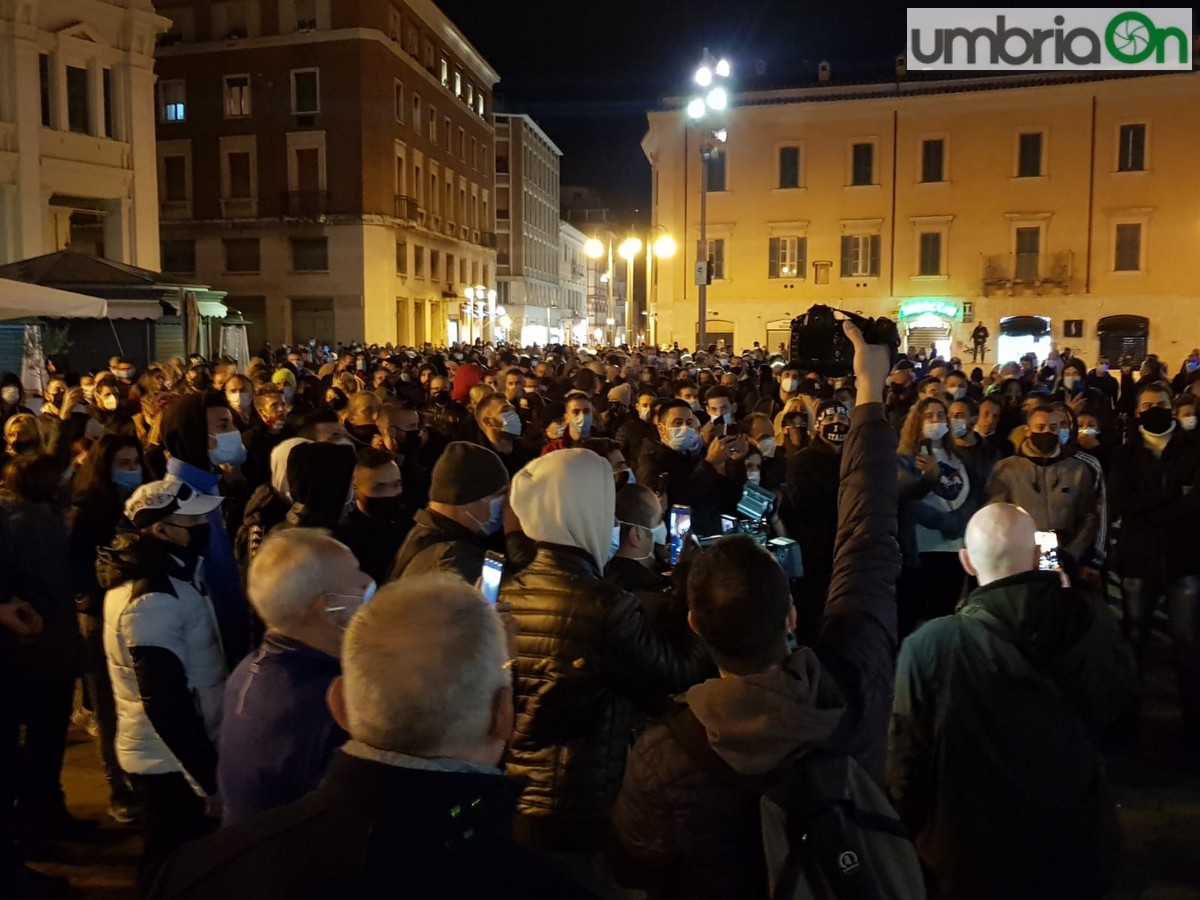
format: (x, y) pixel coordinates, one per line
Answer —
(184, 431)
(319, 476)
(568, 497)
(279, 465)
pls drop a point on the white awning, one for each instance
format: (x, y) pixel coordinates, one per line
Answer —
(19, 300)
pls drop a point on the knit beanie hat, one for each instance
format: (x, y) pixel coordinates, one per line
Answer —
(622, 393)
(465, 473)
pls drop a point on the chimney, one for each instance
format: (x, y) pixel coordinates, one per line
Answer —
(823, 71)
(901, 66)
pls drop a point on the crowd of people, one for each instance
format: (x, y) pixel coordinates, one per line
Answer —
(267, 581)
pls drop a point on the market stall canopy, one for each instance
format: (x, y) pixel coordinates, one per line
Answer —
(19, 300)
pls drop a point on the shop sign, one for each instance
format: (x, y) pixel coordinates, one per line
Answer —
(947, 309)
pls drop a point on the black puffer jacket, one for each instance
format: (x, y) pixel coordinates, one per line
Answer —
(588, 667)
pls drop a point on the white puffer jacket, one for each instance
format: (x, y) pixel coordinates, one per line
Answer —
(184, 624)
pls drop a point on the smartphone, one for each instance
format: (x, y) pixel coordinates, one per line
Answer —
(679, 524)
(728, 524)
(1047, 542)
(489, 582)
(720, 428)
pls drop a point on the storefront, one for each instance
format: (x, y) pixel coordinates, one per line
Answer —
(1123, 336)
(779, 336)
(927, 323)
(1023, 334)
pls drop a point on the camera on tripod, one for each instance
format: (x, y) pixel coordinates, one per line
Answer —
(819, 344)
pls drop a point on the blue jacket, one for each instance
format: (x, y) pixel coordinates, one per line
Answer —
(277, 735)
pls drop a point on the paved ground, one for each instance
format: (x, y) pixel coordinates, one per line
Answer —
(1158, 787)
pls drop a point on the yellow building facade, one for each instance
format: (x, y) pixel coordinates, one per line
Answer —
(1053, 210)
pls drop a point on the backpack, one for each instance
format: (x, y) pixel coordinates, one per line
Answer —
(829, 832)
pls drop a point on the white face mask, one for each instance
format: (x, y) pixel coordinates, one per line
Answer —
(1188, 423)
(556, 430)
(935, 431)
(1070, 381)
(11, 395)
(767, 447)
(109, 402)
(790, 385)
(754, 477)
(1095, 432)
(644, 413)
(960, 392)
(960, 427)
(240, 400)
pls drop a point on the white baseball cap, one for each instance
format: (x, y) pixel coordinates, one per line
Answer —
(158, 500)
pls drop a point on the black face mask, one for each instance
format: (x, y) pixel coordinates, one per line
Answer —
(408, 441)
(1044, 441)
(364, 434)
(441, 398)
(1157, 420)
(835, 432)
(385, 509)
(198, 539)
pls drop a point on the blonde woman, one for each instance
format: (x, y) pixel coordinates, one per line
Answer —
(791, 427)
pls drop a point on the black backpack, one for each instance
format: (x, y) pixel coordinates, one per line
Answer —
(829, 832)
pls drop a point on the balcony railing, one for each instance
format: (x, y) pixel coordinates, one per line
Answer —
(407, 208)
(1008, 271)
(306, 203)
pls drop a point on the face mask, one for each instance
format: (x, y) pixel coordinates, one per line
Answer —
(288, 394)
(108, 402)
(383, 508)
(1095, 432)
(960, 392)
(240, 400)
(511, 423)
(495, 516)
(198, 538)
(644, 413)
(935, 431)
(695, 405)
(124, 374)
(556, 430)
(790, 385)
(659, 533)
(767, 447)
(1102, 369)
(835, 432)
(683, 439)
(88, 393)
(959, 427)
(1157, 420)
(1188, 423)
(126, 480)
(441, 398)
(1064, 436)
(1070, 382)
(615, 544)
(11, 395)
(754, 477)
(361, 366)
(229, 450)
(341, 611)
(364, 434)
(1045, 442)
(582, 423)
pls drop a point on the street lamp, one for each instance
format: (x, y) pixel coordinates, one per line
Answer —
(629, 249)
(662, 247)
(710, 77)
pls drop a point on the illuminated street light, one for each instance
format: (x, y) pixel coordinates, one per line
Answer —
(704, 76)
(593, 248)
(717, 98)
(664, 246)
(722, 135)
(629, 249)
(696, 108)
(723, 69)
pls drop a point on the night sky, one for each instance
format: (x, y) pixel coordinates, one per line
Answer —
(587, 74)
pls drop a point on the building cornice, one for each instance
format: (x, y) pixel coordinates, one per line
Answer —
(533, 126)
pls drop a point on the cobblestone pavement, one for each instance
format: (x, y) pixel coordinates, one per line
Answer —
(1157, 785)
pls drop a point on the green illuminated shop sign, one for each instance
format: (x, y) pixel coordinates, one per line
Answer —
(923, 306)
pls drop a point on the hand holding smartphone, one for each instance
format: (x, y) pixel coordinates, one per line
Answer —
(489, 580)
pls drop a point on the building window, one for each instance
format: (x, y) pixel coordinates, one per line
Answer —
(435, 265)
(451, 269)
(398, 101)
(716, 171)
(1029, 154)
(78, 118)
(860, 255)
(242, 255)
(479, 104)
(310, 254)
(787, 257)
(1132, 151)
(306, 91)
(716, 258)
(414, 41)
(1029, 245)
(175, 189)
(433, 129)
(470, 94)
(933, 160)
(419, 261)
(401, 258)
(178, 256)
(462, 144)
(458, 85)
(395, 27)
(44, 78)
(449, 134)
(930, 261)
(172, 101)
(110, 128)
(235, 24)
(445, 72)
(862, 164)
(306, 14)
(789, 167)
(237, 96)
(239, 175)
(1129, 248)
(416, 118)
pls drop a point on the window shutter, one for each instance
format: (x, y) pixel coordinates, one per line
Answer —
(801, 256)
(773, 258)
(874, 270)
(847, 255)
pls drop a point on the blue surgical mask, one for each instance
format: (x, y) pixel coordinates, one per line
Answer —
(127, 481)
(495, 519)
(582, 423)
(660, 533)
(684, 439)
(229, 450)
(616, 541)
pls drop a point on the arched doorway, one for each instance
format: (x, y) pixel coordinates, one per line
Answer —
(1124, 335)
(927, 323)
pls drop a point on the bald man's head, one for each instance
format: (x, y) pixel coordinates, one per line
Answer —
(1000, 543)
